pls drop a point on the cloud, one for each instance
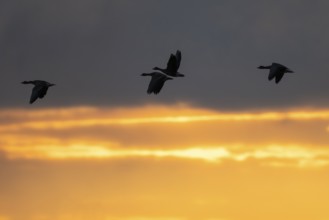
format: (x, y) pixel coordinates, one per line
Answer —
(160, 128)
(88, 116)
(146, 218)
(295, 138)
(276, 156)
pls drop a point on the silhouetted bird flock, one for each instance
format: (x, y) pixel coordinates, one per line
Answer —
(159, 78)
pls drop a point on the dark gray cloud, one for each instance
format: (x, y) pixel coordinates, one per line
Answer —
(96, 50)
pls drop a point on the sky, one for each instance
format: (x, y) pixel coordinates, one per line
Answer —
(221, 143)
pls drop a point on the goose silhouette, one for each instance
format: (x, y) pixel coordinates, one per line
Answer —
(39, 90)
(276, 71)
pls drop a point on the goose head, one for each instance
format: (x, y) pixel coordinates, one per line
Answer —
(145, 74)
(264, 67)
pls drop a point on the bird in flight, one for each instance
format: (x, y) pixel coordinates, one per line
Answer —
(39, 90)
(157, 81)
(276, 71)
(172, 65)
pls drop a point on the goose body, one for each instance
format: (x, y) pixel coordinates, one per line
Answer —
(276, 71)
(39, 90)
(157, 81)
(172, 65)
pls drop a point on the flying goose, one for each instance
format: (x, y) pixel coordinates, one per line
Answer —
(172, 65)
(157, 81)
(39, 90)
(276, 71)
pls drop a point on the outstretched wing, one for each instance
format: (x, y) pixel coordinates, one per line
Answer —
(43, 92)
(278, 77)
(156, 83)
(276, 71)
(38, 92)
(178, 58)
(35, 93)
(172, 64)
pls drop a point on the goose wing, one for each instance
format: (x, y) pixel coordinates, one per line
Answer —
(38, 91)
(156, 83)
(172, 64)
(178, 58)
(43, 92)
(276, 70)
(35, 93)
(279, 76)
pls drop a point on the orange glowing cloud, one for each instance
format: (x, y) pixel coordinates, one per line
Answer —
(87, 116)
(180, 132)
(147, 218)
(301, 157)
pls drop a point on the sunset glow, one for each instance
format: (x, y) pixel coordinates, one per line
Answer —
(50, 145)
(84, 117)
(156, 152)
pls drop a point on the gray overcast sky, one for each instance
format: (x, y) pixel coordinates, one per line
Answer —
(95, 51)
